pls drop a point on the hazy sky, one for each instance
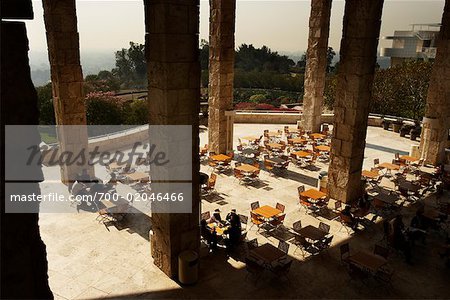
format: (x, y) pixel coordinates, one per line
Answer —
(281, 25)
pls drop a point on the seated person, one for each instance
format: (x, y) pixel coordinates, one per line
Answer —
(209, 236)
(400, 239)
(216, 217)
(363, 202)
(233, 219)
(353, 222)
(418, 227)
(83, 177)
(79, 188)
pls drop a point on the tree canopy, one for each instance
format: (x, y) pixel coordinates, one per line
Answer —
(131, 66)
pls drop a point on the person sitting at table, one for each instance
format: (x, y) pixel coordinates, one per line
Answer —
(418, 227)
(233, 219)
(216, 217)
(210, 236)
(363, 202)
(353, 222)
(400, 238)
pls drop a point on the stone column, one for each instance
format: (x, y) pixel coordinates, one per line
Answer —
(174, 99)
(362, 20)
(316, 64)
(221, 73)
(436, 123)
(24, 259)
(67, 81)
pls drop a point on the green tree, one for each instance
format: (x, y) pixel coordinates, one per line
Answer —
(131, 66)
(104, 81)
(103, 108)
(135, 112)
(330, 55)
(45, 103)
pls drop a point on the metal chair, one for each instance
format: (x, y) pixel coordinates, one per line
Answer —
(324, 227)
(283, 246)
(254, 205)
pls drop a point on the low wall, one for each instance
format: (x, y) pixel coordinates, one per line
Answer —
(113, 142)
(268, 117)
(262, 117)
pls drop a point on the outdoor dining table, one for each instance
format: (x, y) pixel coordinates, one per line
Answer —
(386, 198)
(409, 158)
(274, 146)
(276, 160)
(367, 261)
(138, 176)
(247, 168)
(116, 166)
(220, 157)
(115, 207)
(312, 233)
(389, 167)
(302, 154)
(370, 174)
(267, 211)
(323, 148)
(409, 186)
(297, 141)
(250, 138)
(219, 230)
(249, 151)
(313, 194)
(274, 133)
(267, 253)
(317, 136)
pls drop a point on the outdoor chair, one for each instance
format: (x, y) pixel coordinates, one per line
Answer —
(238, 175)
(277, 221)
(345, 222)
(381, 251)
(283, 246)
(282, 270)
(324, 227)
(337, 206)
(297, 226)
(269, 166)
(244, 220)
(324, 244)
(280, 207)
(253, 269)
(206, 216)
(302, 244)
(256, 220)
(254, 205)
(384, 275)
(252, 244)
(210, 186)
(345, 253)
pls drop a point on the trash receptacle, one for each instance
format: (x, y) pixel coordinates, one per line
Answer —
(323, 181)
(414, 151)
(188, 267)
(447, 156)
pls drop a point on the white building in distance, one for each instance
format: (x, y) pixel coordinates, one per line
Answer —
(416, 44)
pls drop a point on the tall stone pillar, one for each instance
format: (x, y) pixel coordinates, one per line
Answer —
(173, 66)
(316, 64)
(362, 20)
(436, 123)
(24, 259)
(67, 81)
(221, 73)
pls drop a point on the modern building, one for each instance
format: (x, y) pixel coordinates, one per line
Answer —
(417, 43)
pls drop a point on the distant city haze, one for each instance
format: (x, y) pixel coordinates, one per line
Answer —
(107, 26)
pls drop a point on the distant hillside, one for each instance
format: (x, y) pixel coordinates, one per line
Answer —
(92, 63)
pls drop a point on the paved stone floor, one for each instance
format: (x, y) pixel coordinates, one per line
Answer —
(87, 261)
